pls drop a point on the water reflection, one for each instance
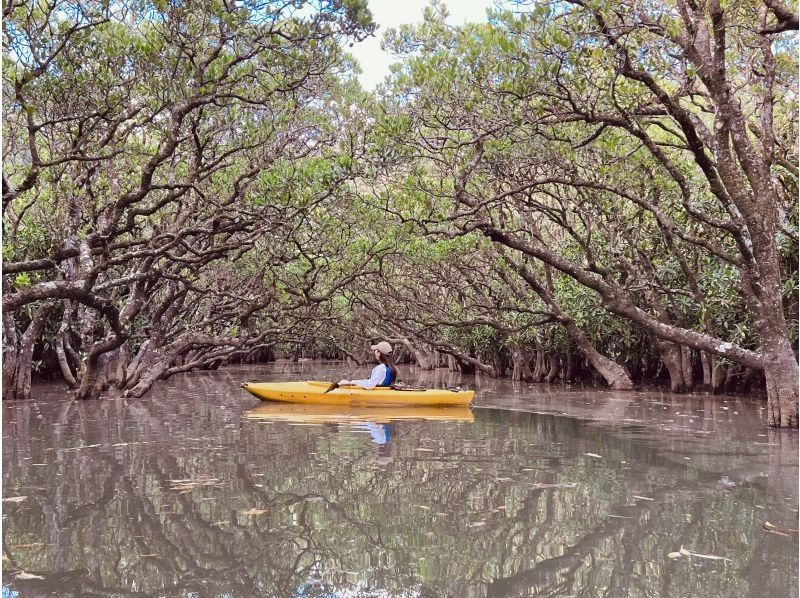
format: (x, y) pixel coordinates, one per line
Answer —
(381, 433)
(320, 414)
(200, 489)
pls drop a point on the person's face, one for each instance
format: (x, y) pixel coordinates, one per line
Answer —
(377, 355)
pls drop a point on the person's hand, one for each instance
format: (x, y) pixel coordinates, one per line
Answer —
(344, 382)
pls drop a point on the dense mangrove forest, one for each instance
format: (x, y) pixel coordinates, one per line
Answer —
(585, 191)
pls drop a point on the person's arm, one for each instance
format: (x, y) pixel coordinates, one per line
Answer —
(377, 376)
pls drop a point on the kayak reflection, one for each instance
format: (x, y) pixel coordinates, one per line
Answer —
(322, 414)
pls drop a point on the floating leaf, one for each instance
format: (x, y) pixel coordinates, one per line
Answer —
(15, 499)
(768, 525)
(595, 455)
(188, 485)
(547, 486)
(254, 512)
(642, 497)
(26, 575)
(684, 552)
(713, 557)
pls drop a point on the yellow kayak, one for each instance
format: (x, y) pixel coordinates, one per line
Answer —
(323, 414)
(312, 393)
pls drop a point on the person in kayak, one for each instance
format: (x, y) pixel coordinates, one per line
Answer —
(383, 374)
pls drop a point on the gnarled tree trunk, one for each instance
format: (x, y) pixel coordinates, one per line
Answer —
(539, 370)
(63, 363)
(97, 362)
(522, 365)
(21, 382)
(687, 367)
(452, 364)
(60, 347)
(552, 373)
(10, 354)
(498, 363)
(423, 358)
(707, 361)
(612, 372)
(781, 373)
(718, 375)
(671, 357)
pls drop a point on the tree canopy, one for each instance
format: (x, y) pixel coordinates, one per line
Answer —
(579, 189)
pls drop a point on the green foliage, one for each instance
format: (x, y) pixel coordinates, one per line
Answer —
(226, 152)
(22, 280)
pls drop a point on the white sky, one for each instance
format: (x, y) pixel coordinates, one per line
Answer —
(391, 13)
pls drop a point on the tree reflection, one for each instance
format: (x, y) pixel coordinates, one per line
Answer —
(176, 495)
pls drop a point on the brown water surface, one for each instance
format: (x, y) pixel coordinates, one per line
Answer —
(545, 491)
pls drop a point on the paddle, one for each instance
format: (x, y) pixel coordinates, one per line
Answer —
(331, 387)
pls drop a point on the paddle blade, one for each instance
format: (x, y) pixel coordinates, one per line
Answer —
(331, 387)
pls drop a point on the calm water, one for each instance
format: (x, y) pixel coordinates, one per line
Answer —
(194, 491)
